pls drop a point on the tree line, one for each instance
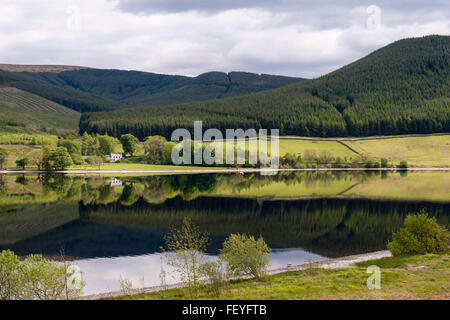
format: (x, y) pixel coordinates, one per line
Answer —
(399, 89)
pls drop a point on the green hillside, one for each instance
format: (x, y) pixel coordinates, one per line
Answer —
(399, 89)
(91, 90)
(22, 111)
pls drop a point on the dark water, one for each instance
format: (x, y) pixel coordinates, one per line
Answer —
(115, 227)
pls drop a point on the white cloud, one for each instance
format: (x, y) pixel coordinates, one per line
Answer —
(293, 38)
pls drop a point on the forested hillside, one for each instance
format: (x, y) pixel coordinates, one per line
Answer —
(90, 90)
(401, 88)
(58, 91)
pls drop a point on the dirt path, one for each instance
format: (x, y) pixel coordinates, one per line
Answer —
(337, 263)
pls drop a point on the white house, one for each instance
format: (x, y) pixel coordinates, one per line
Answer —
(113, 157)
(113, 182)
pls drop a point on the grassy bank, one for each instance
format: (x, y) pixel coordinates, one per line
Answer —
(409, 277)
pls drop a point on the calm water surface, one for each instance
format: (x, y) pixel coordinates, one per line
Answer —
(114, 226)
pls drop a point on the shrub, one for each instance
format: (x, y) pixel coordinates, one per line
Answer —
(37, 278)
(10, 280)
(384, 163)
(245, 255)
(403, 164)
(420, 235)
(22, 162)
(216, 275)
(125, 285)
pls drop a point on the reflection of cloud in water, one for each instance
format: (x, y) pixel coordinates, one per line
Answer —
(102, 274)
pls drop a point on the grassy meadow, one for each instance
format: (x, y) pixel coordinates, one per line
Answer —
(419, 151)
(16, 152)
(426, 151)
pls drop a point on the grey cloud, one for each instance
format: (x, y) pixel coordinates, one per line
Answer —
(153, 6)
(297, 38)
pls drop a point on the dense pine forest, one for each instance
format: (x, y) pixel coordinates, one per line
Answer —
(399, 89)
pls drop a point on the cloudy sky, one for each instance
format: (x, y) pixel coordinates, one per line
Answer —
(289, 37)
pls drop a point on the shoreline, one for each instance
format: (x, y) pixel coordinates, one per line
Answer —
(335, 263)
(221, 170)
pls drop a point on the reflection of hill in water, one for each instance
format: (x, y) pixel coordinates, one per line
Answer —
(20, 222)
(330, 227)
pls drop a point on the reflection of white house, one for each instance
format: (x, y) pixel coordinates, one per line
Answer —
(114, 182)
(113, 157)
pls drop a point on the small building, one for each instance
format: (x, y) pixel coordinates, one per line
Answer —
(114, 182)
(113, 157)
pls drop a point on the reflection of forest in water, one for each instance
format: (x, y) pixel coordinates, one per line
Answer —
(98, 217)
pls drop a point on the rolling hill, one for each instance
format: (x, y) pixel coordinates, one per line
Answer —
(399, 89)
(90, 90)
(22, 111)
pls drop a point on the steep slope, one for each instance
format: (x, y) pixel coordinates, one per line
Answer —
(20, 110)
(401, 88)
(87, 89)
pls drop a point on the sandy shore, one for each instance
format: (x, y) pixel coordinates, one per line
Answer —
(337, 263)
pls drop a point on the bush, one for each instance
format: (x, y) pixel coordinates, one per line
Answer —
(37, 278)
(10, 281)
(216, 275)
(420, 235)
(22, 162)
(403, 164)
(245, 255)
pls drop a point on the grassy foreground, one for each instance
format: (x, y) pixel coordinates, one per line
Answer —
(408, 277)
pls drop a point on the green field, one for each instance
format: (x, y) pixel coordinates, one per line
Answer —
(300, 146)
(419, 151)
(35, 112)
(16, 152)
(426, 151)
(416, 277)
